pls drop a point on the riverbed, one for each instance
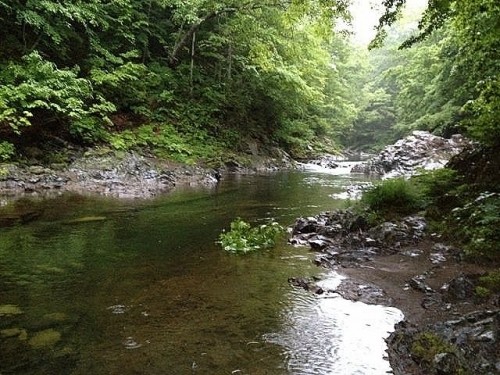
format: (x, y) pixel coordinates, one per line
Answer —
(103, 286)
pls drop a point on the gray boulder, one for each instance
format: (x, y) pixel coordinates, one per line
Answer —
(420, 150)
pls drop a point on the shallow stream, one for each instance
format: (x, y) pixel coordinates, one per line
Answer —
(102, 286)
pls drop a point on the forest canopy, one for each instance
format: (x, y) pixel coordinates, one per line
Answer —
(166, 73)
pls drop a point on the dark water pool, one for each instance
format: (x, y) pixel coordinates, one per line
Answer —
(100, 286)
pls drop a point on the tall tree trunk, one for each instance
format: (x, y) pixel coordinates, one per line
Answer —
(173, 59)
(192, 64)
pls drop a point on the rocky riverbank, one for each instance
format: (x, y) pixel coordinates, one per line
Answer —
(119, 174)
(449, 328)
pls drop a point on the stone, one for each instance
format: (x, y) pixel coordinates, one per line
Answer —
(45, 339)
(8, 310)
(459, 289)
(446, 363)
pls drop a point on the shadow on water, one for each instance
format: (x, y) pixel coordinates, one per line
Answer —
(99, 286)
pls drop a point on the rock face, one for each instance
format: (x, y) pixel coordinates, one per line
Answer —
(128, 175)
(421, 150)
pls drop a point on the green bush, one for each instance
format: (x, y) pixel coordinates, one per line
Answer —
(479, 221)
(393, 196)
(165, 141)
(243, 238)
(437, 183)
(34, 89)
(7, 150)
(489, 283)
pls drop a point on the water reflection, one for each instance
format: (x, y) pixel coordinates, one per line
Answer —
(146, 290)
(326, 334)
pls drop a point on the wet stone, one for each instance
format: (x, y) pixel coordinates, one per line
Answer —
(14, 332)
(9, 310)
(44, 339)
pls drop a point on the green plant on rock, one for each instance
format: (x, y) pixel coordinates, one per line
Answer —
(489, 284)
(243, 238)
(397, 196)
(427, 345)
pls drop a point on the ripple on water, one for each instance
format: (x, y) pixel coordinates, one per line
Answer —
(331, 335)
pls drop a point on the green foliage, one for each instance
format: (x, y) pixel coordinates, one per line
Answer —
(166, 141)
(489, 283)
(397, 195)
(7, 150)
(35, 90)
(439, 188)
(479, 221)
(427, 345)
(243, 238)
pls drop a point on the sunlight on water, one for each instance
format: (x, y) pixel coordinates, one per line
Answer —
(327, 334)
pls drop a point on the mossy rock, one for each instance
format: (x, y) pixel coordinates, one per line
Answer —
(14, 332)
(86, 219)
(8, 310)
(45, 339)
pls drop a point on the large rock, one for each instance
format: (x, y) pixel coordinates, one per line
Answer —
(421, 150)
(466, 345)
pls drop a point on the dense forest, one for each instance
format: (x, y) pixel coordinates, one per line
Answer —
(193, 79)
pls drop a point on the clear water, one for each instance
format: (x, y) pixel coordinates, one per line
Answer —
(143, 288)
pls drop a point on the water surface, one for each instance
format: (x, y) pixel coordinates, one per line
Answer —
(100, 286)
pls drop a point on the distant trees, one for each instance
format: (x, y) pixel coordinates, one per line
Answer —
(443, 79)
(274, 70)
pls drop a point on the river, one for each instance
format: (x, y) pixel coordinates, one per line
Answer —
(104, 286)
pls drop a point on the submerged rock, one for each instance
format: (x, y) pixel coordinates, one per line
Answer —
(9, 310)
(420, 150)
(20, 333)
(45, 339)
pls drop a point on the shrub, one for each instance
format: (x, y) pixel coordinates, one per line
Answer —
(427, 345)
(7, 150)
(479, 221)
(437, 183)
(490, 282)
(393, 196)
(243, 238)
(34, 89)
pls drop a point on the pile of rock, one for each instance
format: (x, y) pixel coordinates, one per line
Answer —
(451, 345)
(346, 239)
(421, 150)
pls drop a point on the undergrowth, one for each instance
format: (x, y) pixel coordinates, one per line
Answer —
(469, 217)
